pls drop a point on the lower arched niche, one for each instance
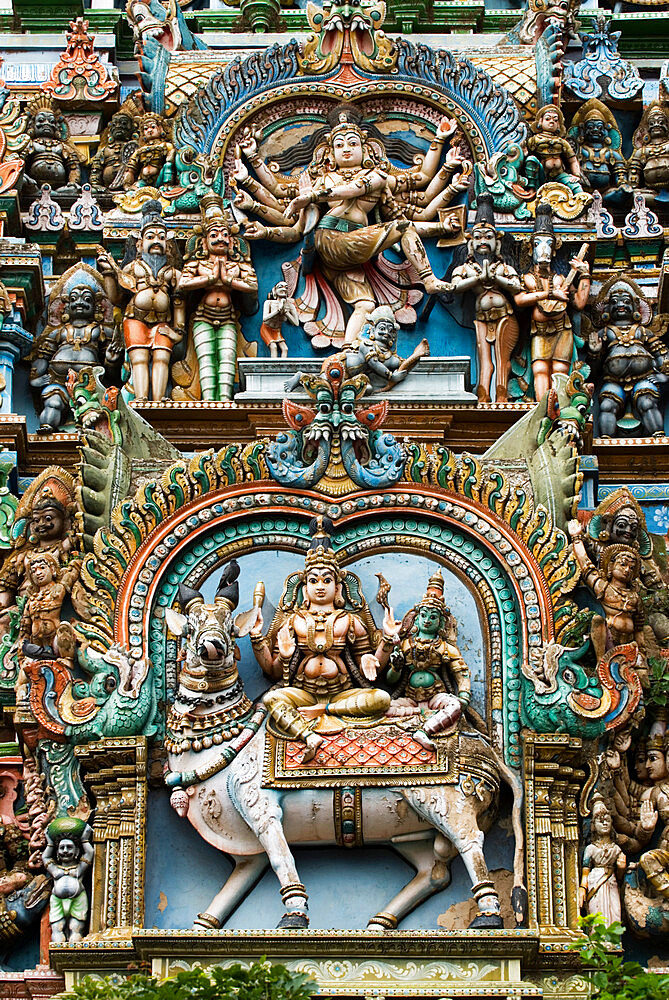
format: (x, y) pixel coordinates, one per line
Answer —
(346, 886)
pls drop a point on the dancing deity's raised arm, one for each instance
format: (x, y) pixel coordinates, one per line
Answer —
(425, 171)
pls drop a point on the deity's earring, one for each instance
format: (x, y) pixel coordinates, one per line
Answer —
(636, 316)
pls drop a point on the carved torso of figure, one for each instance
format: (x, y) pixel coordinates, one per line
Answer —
(321, 637)
(426, 661)
(151, 302)
(41, 614)
(13, 861)
(551, 149)
(77, 348)
(491, 303)
(627, 358)
(651, 161)
(148, 160)
(47, 162)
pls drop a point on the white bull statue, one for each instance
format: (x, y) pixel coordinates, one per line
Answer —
(216, 741)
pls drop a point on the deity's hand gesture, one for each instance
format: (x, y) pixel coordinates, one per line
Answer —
(296, 205)
(257, 628)
(391, 628)
(244, 201)
(255, 230)
(105, 262)
(285, 642)
(239, 171)
(248, 142)
(581, 266)
(370, 666)
(561, 294)
(647, 816)
(446, 128)
(575, 528)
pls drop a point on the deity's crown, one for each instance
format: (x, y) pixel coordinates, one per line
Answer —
(54, 491)
(593, 115)
(434, 595)
(618, 500)
(152, 214)
(321, 554)
(213, 211)
(346, 124)
(657, 741)
(41, 102)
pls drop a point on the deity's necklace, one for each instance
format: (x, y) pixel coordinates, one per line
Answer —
(320, 630)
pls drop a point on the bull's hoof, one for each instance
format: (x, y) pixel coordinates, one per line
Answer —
(293, 922)
(487, 921)
(208, 921)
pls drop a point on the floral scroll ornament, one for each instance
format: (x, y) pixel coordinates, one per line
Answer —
(602, 71)
(80, 75)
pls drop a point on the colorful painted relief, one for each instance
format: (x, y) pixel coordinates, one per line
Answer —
(334, 592)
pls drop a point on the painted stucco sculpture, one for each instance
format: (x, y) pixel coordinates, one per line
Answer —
(439, 445)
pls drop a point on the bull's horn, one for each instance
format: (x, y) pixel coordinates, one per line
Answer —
(188, 596)
(228, 592)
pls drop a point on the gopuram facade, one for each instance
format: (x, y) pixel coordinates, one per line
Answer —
(334, 490)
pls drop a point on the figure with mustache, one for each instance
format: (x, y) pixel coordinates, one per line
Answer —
(495, 283)
(154, 318)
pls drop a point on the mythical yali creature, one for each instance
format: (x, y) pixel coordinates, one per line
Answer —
(332, 439)
(216, 744)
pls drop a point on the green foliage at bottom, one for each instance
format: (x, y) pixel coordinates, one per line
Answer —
(260, 981)
(612, 977)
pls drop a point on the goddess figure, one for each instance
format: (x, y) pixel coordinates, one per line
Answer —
(426, 668)
(603, 866)
(320, 654)
(349, 179)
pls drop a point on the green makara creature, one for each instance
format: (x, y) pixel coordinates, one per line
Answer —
(501, 176)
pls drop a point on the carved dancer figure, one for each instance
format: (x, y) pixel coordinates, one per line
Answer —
(552, 157)
(549, 294)
(321, 655)
(603, 867)
(154, 318)
(495, 282)
(426, 669)
(350, 176)
(218, 267)
(619, 520)
(41, 627)
(44, 525)
(634, 360)
(614, 586)
(67, 857)
(49, 156)
(278, 308)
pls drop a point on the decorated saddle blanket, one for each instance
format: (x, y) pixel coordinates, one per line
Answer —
(359, 756)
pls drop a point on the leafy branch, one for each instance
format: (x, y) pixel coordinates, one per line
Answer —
(613, 977)
(260, 981)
